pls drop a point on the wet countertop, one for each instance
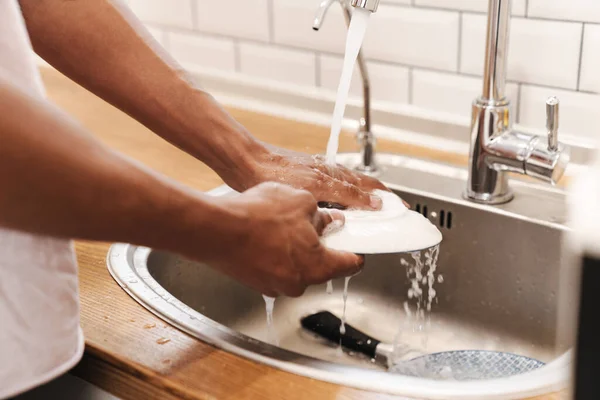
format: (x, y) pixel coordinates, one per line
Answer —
(135, 355)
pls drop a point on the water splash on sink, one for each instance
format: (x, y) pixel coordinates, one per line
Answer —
(345, 297)
(329, 289)
(421, 273)
(272, 336)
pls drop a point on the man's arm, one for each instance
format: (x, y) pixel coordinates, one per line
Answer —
(101, 45)
(56, 179)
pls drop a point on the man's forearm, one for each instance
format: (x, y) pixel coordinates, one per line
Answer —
(101, 45)
(56, 179)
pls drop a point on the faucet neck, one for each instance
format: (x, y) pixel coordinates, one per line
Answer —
(498, 29)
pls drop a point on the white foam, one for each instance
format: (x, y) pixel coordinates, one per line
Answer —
(393, 229)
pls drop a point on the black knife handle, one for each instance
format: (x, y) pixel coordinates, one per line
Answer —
(327, 325)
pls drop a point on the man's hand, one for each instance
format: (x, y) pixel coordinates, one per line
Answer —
(330, 184)
(77, 36)
(277, 249)
(67, 184)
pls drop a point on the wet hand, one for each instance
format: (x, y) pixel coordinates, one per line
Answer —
(328, 184)
(279, 251)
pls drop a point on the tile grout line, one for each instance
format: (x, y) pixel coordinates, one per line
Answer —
(580, 57)
(166, 40)
(459, 47)
(518, 108)
(382, 62)
(271, 20)
(194, 5)
(237, 56)
(318, 69)
(410, 85)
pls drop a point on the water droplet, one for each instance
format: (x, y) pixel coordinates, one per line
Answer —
(440, 279)
(163, 340)
(329, 289)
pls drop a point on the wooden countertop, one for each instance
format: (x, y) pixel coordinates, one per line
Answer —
(123, 354)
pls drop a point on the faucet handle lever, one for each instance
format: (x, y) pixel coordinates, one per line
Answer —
(552, 122)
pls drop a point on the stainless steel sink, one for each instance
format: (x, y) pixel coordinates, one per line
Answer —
(501, 268)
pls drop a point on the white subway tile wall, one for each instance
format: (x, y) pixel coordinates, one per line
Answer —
(544, 52)
(279, 64)
(173, 13)
(428, 53)
(578, 110)
(389, 82)
(247, 19)
(451, 93)
(414, 36)
(193, 51)
(518, 6)
(292, 26)
(573, 10)
(590, 62)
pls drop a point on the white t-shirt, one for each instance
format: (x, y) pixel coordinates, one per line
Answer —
(40, 337)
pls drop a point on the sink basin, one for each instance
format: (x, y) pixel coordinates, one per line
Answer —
(500, 268)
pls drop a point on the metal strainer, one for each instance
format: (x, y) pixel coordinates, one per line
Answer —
(464, 365)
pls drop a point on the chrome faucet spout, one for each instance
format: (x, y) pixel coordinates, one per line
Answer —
(321, 13)
(497, 36)
(369, 5)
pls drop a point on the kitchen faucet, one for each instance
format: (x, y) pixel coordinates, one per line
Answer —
(366, 139)
(496, 148)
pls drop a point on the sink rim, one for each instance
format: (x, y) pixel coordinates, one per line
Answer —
(128, 266)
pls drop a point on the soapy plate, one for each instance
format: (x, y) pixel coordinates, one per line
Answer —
(393, 229)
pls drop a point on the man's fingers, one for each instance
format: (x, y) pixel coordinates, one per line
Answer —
(332, 264)
(341, 263)
(337, 172)
(362, 181)
(326, 220)
(350, 196)
(370, 183)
